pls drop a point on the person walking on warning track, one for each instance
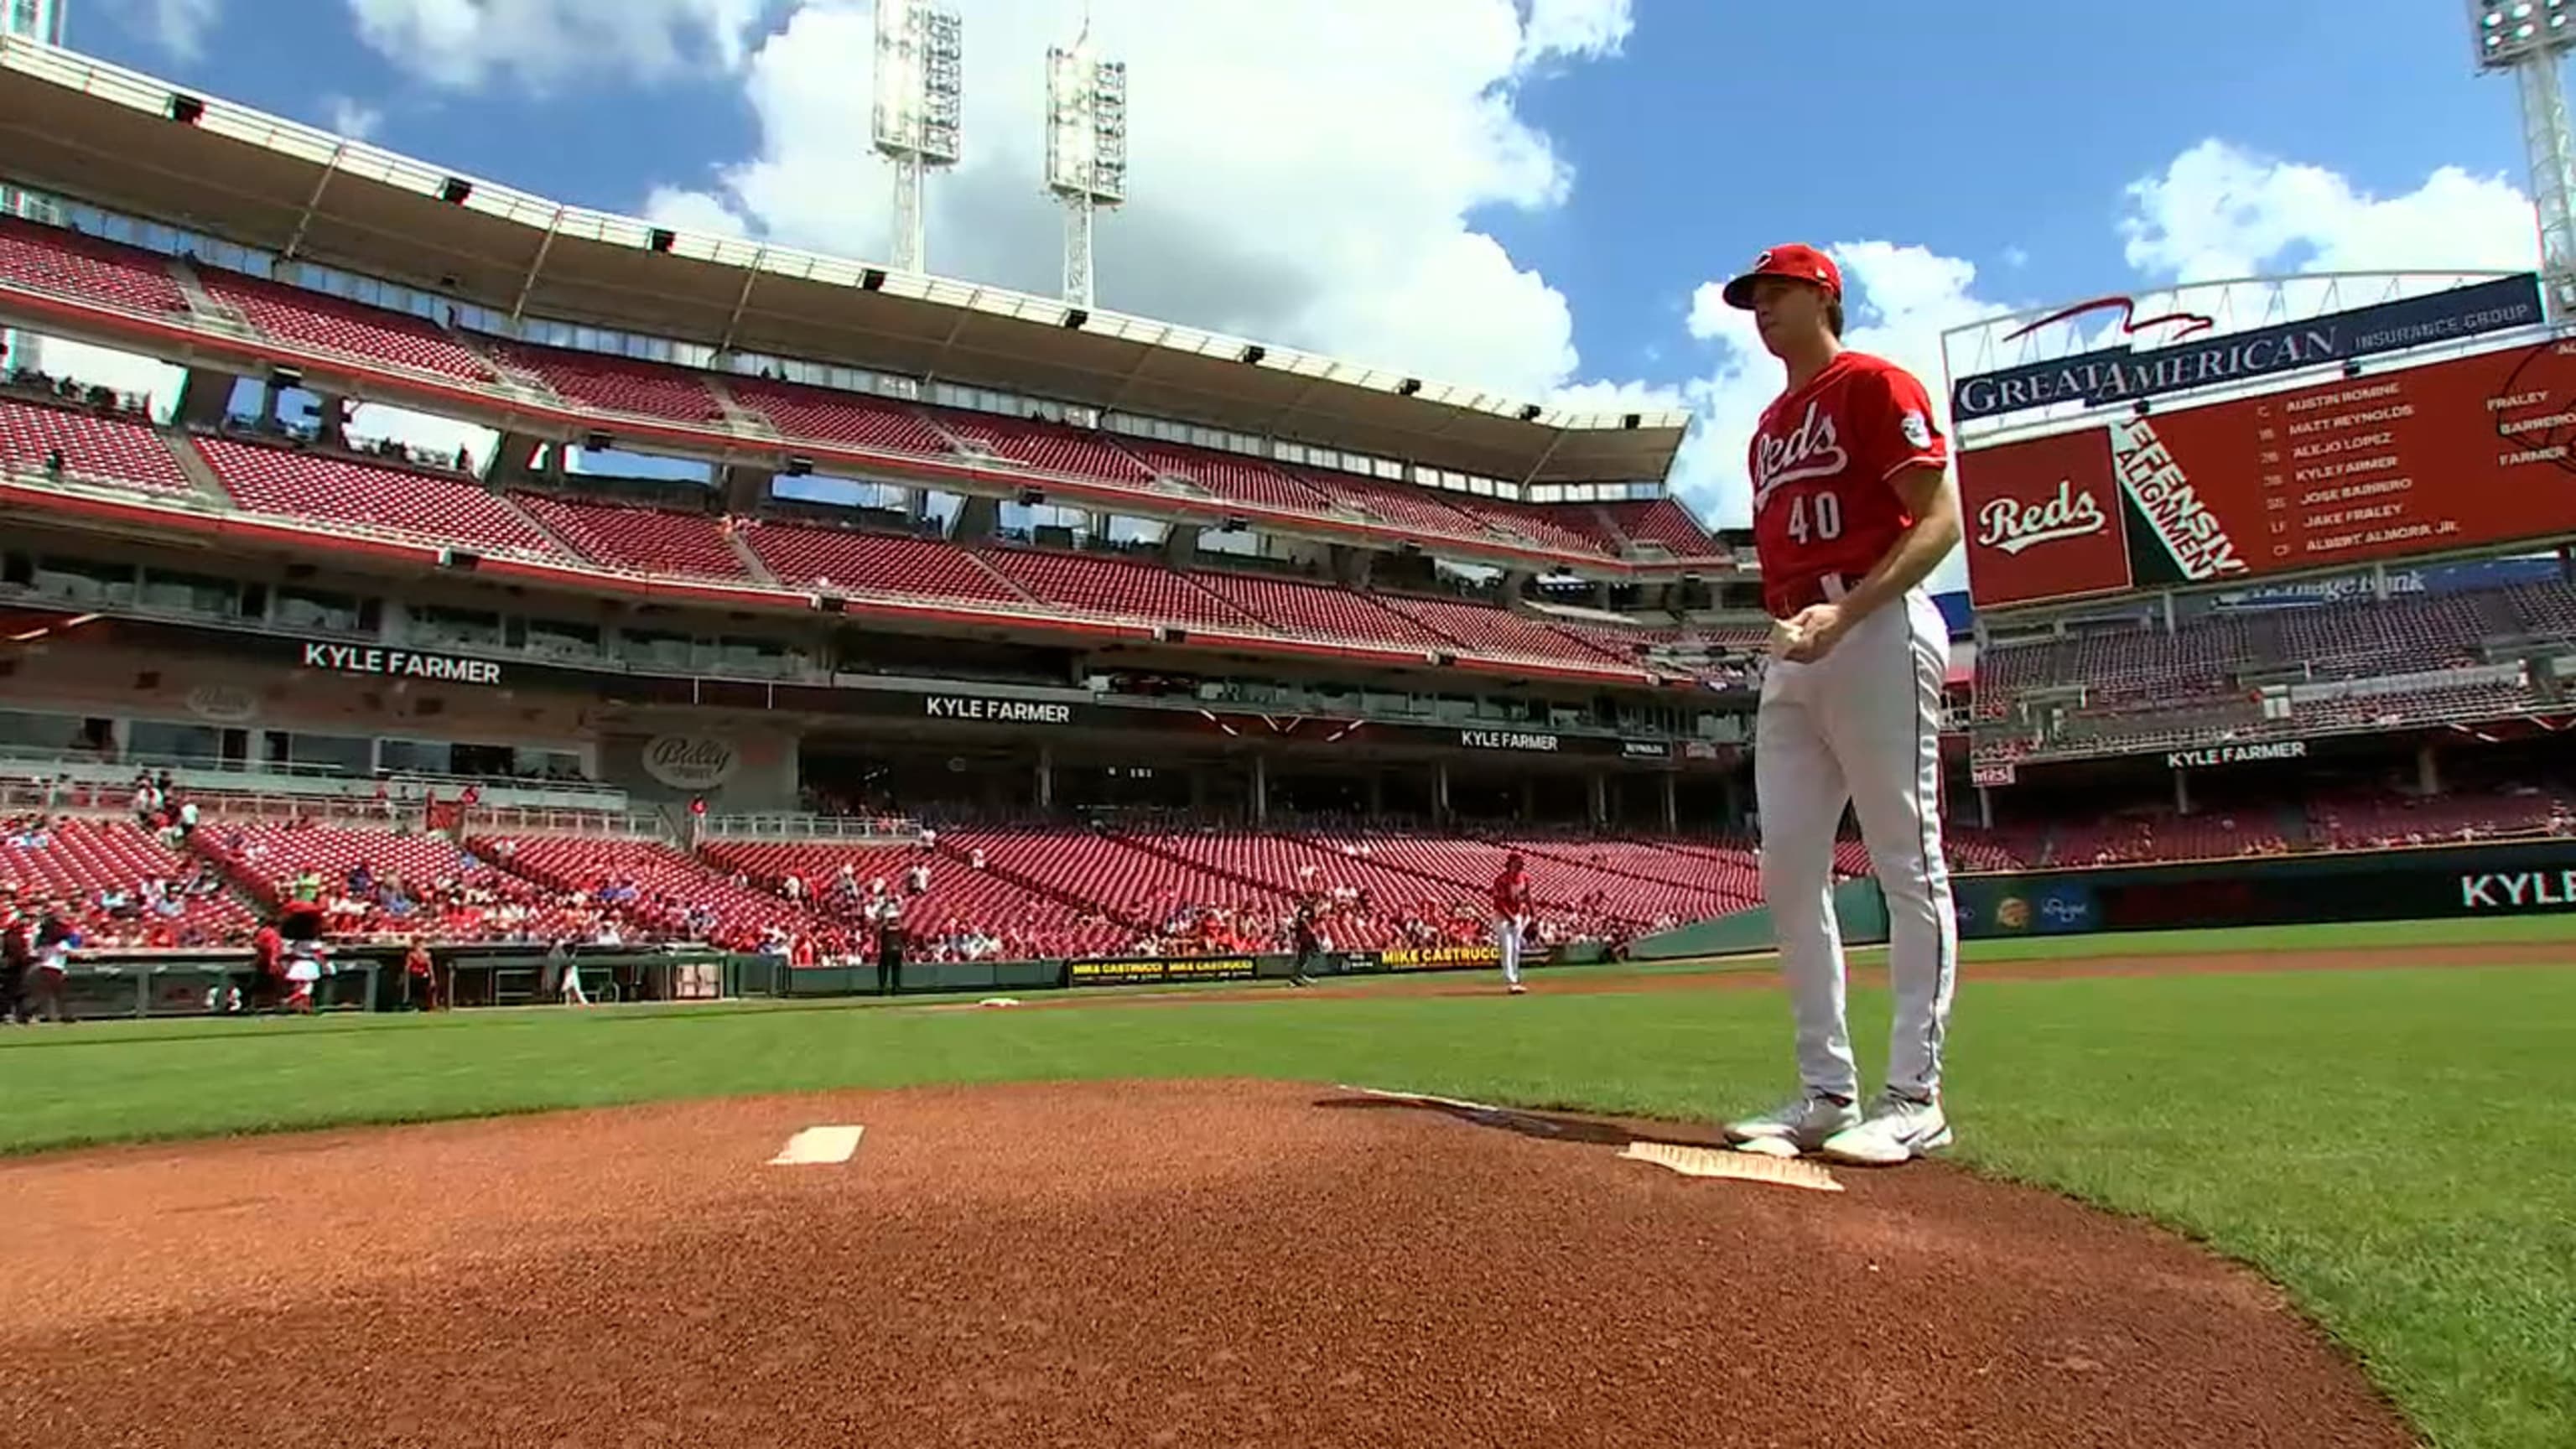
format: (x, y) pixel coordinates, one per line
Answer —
(1853, 507)
(1511, 919)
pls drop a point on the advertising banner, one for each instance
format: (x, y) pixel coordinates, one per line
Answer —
(2452, 455)
(2126, 374)
(1442, 958)
(2433, 883)
(1149, 971)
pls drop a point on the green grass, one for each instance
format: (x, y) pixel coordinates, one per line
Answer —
(2392, 1146)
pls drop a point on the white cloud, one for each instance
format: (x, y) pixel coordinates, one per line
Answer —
(2220, 211)
(177, 26)
(1301, 172)
(356, 120)
(1574, 28)
(465, 43)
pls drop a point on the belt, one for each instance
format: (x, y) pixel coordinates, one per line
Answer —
(1807, 593)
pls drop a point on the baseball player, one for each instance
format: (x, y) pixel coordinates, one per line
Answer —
(1511, 919)
(1852, 508)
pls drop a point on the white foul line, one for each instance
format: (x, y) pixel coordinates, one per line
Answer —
(819, 1147)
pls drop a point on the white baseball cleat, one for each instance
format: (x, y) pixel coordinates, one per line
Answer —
(1804, 1122)
(1518, 989)
(1897, 1129)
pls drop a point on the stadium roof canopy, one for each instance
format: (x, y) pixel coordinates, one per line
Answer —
(124, 142)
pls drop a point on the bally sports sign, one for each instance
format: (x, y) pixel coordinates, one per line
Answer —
(691, 762)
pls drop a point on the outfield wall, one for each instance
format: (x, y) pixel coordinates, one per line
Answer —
(2420, 883)
(2415, 884)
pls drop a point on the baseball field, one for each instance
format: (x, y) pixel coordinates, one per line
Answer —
(2286, 1187)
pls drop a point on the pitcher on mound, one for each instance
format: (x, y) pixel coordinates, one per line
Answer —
(1852, 508)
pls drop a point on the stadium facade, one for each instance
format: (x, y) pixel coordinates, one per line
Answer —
(1068, 558)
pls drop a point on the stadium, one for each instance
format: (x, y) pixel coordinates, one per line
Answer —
(944, 721)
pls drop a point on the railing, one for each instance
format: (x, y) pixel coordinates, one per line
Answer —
(110, 782)
(854, 829)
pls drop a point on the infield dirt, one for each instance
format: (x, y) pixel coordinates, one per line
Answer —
(1108, 1264)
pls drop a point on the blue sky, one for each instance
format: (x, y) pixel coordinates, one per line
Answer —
(1530, 194)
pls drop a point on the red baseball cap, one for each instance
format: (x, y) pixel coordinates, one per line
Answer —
(1796, 262)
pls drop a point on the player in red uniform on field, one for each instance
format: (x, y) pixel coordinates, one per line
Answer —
(1511, 919)
(1853, 507)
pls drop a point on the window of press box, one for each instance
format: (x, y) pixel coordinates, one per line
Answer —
(82, 582)
(316, 609)
(456, 626)
(327, 754)
(193, 593)
(645, 646)
(551, 636)
(480, 761)
(28, 732)
(158, 740)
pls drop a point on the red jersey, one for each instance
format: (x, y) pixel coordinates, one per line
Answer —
(1821, 461)
(1511, 894)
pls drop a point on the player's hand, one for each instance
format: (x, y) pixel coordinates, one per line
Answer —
(1815, 630)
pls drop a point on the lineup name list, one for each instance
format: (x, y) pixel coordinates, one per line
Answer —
(2334, 474)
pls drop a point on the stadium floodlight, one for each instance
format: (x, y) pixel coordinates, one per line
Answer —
(920, 89)
(37, 20)
(2531, 39)
(1086, 149)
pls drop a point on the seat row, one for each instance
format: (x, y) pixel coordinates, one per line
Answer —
(62, 261)
(446, 508)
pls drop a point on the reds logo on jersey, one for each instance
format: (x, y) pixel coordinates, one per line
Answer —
(1811, 450)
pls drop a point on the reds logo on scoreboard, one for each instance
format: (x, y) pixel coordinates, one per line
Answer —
(2010, 525)
(2044, 520)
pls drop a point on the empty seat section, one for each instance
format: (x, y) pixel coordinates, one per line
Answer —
(1122, 887)
(1395, 503)
(1230, 476)
(59, 260)
(1030, 923)
(829, 415)
(1588, 522)
(103, 450)
(1115, 586)
(876, 562)
(1317, 611)
(317, 319)
(308, 485)
(1054, 447)
(653, 539)
(617, 384)
(1663, 521)
(1488, 630)
(1536, 525)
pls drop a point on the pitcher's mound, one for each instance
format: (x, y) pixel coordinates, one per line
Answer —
(1104, 1267)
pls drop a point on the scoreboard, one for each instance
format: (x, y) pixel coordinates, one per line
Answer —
(2453, 455)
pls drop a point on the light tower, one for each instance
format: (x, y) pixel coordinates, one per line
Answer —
(1086, 149)
(29, 20)
(2531, 39)
(920, 83)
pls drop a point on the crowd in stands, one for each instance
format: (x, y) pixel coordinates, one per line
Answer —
(159, 875)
